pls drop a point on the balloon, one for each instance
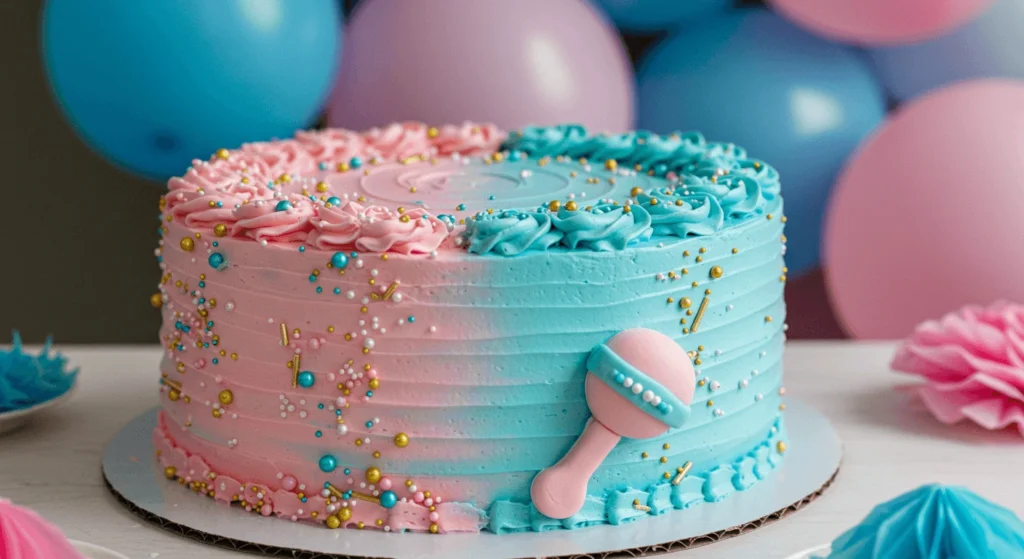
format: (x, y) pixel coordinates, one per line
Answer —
(988, 47)
(151, 85)
(796, 101)
(926, 217)
(655, 15)
(809, 314)
(510, 63)
(879, 22)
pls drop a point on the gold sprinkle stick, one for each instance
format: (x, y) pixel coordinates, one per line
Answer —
(335, 491)
(700, 314)
(172, 383)
(387, 294)
(409, 160)
(284, 334)
(682, 473)
(640, 507)
(365, 497)
(295, 369)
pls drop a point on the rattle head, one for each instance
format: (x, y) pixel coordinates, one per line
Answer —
(643, 356)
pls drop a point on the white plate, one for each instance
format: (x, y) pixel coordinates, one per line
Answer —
(811, 463)
(93, 551)
(12, 420)
(813, 553)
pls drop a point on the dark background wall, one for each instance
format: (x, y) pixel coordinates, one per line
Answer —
(76, 234)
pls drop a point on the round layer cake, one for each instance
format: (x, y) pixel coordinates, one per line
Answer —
(390, 329)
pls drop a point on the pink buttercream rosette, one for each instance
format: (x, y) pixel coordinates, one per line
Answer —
(973, 360)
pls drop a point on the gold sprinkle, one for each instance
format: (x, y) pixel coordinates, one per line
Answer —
(782, 407)
(769, 216)
(156, 300)
(666, 475)
(694, 284)
(666, 446)
(295, 371)
(664, 459)
(573, 174)
(432, 132)
(636, 191)
(434, 528)
(767, 319)
(640, 507)
(226, 397)
(223, 153)
(401, 440)
(700, 259)
(359, 442)
(783, 219)
(187, 244)
(711, 403)
(643, 455)
(322, 186)
(681, 472)
(285, 178)
(686, 253)
(284, 334)
(685, 302)
(234, 357)
(780, 446)
(700, 313)
(554, 205)
(611, 164)
(374, 383)
(333, 523)
(735, 250)
(570, 205)
(702, 250)
(716, 272)
(626, 209)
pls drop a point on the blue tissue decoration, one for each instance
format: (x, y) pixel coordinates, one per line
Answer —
(933, 522)
(27, 380)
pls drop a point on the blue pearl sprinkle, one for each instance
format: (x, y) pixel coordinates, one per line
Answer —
(319, 289)
(369, 393)
(216, 260)
(283, 205)
(319, 434)
(302, 248)
(461, 207)
(388, 499)
(369, 424)
(337, 291)
(619, 378)
(328, 463)
(216, 243)
(355, 163)
(320, 406)
(215, 361)
(312, 278)
(412, 319)
(323, 166)
(334, 201)
(339, 260)
(347, 471)
(202, 284)
(306, 379)
(515, 155)
(354, 254)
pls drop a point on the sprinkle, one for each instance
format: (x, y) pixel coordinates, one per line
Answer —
(700, 313)
(640, 507)
(681, 472)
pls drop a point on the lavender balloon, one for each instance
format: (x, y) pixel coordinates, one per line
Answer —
(510, 63)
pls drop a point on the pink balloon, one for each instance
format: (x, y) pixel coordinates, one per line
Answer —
(929, 214)
(511, 63)
(879, 22)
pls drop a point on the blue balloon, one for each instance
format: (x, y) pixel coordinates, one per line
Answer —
(656, 15)
(152, 84)
(796, 101)
(991, 46)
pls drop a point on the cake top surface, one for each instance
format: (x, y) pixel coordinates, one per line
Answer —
(933, 522)
(415, 189)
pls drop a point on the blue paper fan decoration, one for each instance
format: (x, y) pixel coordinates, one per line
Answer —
(934, 522)
(27, 380)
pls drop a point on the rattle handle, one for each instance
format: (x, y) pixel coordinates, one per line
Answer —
(559, 491)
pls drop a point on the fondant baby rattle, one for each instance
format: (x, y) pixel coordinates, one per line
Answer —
(639, 385)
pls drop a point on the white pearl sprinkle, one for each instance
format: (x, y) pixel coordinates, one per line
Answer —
(637, 388)
(397, 297)
(648, 396)
(714, 386)
(656, 400)
(628, 382)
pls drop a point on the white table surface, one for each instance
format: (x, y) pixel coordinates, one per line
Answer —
(891, 445)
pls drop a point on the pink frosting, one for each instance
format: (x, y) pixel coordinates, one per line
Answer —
(973, 362)
(377, 229)
(25, 535)
(241, 189)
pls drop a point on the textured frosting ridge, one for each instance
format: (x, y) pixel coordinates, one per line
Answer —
(933, 522)
(973, 363)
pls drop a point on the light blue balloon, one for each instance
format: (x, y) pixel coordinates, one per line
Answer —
(991, 46)
(796, 101)
(152, 84)
(656, 15)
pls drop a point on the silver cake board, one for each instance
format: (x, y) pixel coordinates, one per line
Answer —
(136, 479)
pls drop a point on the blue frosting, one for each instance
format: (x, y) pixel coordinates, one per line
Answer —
(934, 522)
(27, 380)
(691, 188)
(623, 504)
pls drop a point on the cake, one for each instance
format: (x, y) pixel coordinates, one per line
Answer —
(933, 522)
(393, 329)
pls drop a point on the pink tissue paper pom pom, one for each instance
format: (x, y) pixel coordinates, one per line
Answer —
(973, 362)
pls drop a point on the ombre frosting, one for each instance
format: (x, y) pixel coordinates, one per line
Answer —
(934, 522)
(390, 329)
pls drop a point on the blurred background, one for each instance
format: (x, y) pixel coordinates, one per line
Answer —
(897, 126)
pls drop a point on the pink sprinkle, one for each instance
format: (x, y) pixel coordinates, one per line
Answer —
(349, 384)
(437, 499)
(418, 497)
(372, 373)
(671, 175)
(385, 483)
(434, 516)
(266, 510)
(289, 483)
(314, 343)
